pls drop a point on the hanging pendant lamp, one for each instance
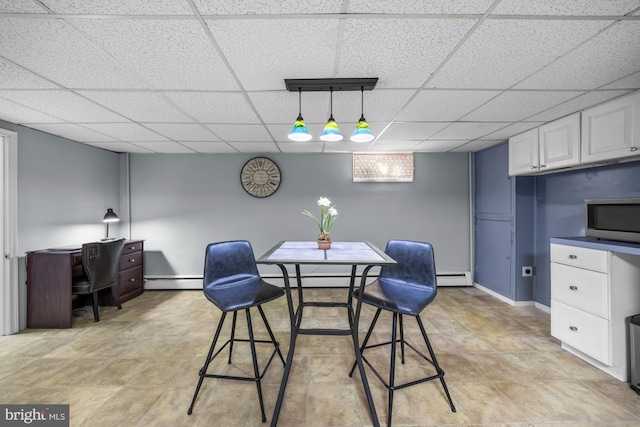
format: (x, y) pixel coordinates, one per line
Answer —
(299, 131)
(331, 130)
(362, 132)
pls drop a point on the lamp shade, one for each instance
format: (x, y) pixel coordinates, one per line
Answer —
(110, 216)
(362, 132)
(299, 131)
(331, 131)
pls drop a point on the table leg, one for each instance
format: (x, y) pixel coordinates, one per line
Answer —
(356, 346)
(292, 345)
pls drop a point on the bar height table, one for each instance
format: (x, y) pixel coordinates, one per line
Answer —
(307, 253)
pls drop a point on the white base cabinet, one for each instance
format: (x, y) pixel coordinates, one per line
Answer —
(593, 293)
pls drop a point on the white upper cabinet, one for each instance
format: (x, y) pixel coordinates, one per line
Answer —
(523, 153)
(611, 130)
(551, 146)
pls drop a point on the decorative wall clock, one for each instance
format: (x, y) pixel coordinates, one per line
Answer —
(260, 177)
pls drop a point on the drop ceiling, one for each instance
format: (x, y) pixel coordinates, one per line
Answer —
(197, 76)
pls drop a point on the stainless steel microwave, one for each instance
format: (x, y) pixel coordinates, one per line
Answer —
(613, 219)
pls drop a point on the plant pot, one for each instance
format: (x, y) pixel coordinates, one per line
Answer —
(324, 244)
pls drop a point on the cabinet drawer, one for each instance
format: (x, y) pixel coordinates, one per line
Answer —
(130, 280)
(130, 260)
(132, 247)
(581, 330)
(591, 259)
(583, 289)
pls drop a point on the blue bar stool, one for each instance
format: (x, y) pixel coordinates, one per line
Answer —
(232, 283)
(403, 289)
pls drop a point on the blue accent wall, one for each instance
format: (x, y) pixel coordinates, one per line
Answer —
(534, 209)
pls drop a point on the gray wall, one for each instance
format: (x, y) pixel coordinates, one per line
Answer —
(180, 203)
(64, 189)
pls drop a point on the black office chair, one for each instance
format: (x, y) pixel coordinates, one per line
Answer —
(232, 283)
(403, 289)
(100, 264)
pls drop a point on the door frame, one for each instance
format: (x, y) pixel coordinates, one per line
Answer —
(9, 289)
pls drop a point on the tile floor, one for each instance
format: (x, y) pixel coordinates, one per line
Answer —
(138, 367)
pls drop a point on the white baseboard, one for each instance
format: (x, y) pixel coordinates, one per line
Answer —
(318, 281)
(503, 298)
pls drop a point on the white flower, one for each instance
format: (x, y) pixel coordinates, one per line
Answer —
(333, 211)
(323, 201)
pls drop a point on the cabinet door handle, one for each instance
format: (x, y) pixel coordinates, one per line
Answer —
(133, 279)
(573, 256)
(633, 149)
(132, 248)
(573, 328)
(543, 166)
(534, 167)
(132, 260)
(573, 287)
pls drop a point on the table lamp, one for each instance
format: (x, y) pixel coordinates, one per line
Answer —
(110, 216)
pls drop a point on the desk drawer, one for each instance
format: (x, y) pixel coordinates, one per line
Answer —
(130, 260)
(580, 288)
(130, 279)
(591, 259)
(581, 330)
(132, 247)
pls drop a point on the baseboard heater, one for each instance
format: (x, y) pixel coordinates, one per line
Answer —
(153, 282)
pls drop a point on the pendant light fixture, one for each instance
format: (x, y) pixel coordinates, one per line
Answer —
(331, 130)
(362, 132)
(299, 131)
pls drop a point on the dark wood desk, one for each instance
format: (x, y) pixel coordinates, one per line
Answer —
(50, 274)
(354, 254)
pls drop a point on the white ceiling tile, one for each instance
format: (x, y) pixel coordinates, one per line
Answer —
(444, 105)
(379, 105)
(436, 146)
(461, 130)
(565, 7)
(436, 7)
(167, 54)
(72, 131)
(209, 146)
(215, 107)
(62, 104)
(513, 106)
(402, 53)
(500, 53)
(382, 146)
(315, 106)
(301, 147)
(165, 147)
(129, 7)
(632, 81)
(412, 131)
(255, 147)
(259, 7)
(477, 145)
(18, 114)
(577, 104)
(120, 147)
(130, 132)
(138, 106)
(183, 131)
(283, 48)
(346, 146)
(15, 77)
(508, 130)
(241, 132)
(53, 49)
(606, 58)
(21, 6)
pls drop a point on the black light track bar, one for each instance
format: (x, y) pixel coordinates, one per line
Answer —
(325, 85)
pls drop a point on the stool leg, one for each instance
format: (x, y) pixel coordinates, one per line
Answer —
(233, 334)
(203, 371)
(392, 370)
(366, 338)
(256, 370)
(273, 338)
(401, 340)
(435, 363)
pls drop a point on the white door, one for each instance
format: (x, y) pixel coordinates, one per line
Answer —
(9, 307)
